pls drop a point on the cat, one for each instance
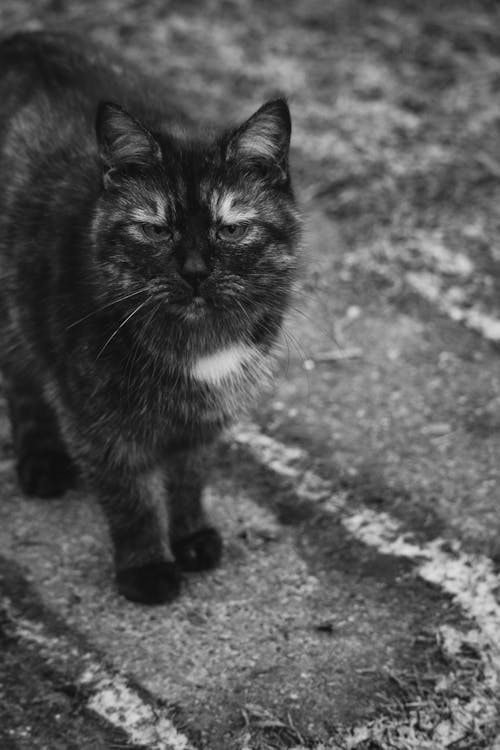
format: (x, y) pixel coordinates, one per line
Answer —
(145, 273)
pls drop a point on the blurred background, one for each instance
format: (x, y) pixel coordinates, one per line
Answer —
(389, 372)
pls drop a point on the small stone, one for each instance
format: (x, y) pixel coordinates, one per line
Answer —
(353, 312)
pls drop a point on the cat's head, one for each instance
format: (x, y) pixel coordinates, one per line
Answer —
(207, 230)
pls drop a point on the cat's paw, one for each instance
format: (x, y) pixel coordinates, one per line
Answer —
(48, 473)
(153, 583)
(199, 551)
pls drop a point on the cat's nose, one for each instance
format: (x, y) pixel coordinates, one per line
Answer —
(194, 270)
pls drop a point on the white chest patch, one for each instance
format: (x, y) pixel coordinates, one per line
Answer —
(224, 364)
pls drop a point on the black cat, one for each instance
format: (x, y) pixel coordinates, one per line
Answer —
(144, 278)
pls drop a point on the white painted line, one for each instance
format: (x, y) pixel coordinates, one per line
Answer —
(441, 282)
(469, 579)
(288, 462)
(473, 584)
(429, 286)
(116, 702)
(107, 693)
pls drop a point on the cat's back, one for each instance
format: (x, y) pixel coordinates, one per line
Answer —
(47, 71)
(59, 64)
(73, 75)
(49, 87)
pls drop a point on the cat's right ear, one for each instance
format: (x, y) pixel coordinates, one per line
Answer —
(123, 142)
(264, 139)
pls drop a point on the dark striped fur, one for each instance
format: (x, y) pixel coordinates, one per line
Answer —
(145, 271)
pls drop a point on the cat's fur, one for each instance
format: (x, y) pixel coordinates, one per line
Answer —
(144, 278)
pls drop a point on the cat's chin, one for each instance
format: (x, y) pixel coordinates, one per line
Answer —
(194, 310)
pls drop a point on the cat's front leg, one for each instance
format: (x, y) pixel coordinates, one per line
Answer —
(136, 508)
(44, 465)
(196, 544)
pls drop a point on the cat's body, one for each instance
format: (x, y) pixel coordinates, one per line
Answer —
(144, 277)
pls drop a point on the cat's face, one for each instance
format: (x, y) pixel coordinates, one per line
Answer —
(203, 234)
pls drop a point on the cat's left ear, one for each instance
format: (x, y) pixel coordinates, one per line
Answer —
(123, 141)
(264, 139)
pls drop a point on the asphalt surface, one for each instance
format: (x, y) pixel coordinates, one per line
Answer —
(323, 627)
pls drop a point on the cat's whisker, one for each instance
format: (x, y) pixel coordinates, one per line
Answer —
(290, 337)
(156, 358)
(287, 335)
(324, 331)
(246, 316)
(131, 360)
(298, 311)
(104, 307)
(110, 339)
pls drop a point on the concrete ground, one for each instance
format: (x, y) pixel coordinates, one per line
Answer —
(357, 604)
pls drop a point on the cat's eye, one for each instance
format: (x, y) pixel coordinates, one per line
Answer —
(155, 232)
(232, 232)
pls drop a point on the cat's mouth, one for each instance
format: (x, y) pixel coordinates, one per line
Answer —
(193, 309)
(206, 304)
(197, 303)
